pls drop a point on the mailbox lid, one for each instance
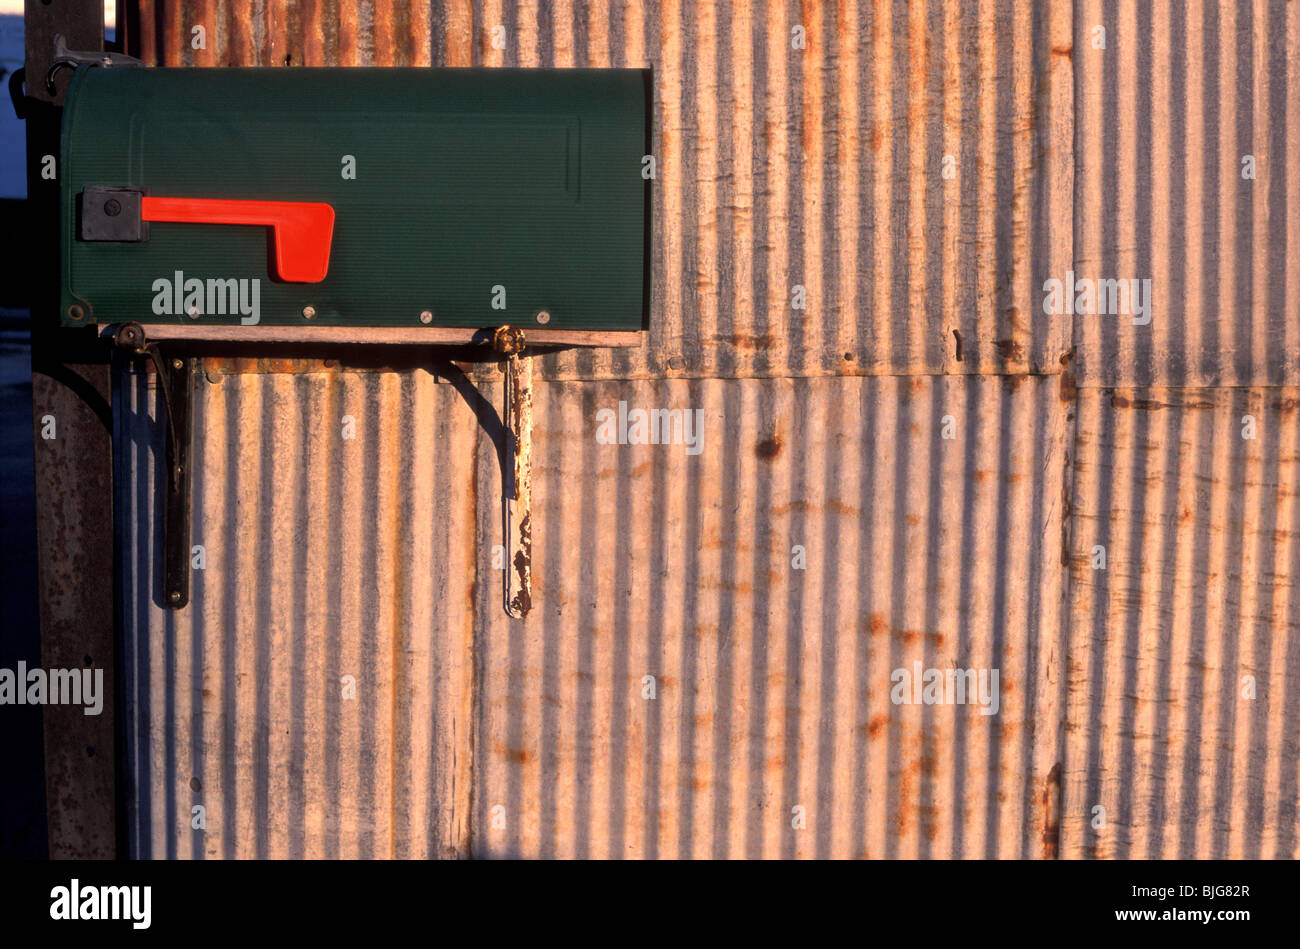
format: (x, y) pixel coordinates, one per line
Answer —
(482, 196)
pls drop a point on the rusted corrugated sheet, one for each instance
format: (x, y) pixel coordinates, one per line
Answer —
(772, 683)
(772, 665)
(326, 557)
(1184, 651)
(1165, 116)
(474, 734)
(777, 167)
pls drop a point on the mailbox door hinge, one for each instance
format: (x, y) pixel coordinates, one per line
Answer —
(176, 378)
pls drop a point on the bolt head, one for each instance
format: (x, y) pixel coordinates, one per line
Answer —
(543, 316)
(426, 316)
(309, 313)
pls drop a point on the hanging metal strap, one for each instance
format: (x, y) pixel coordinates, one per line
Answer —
(518, 494)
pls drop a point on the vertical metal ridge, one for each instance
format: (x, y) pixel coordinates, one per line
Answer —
(1198, 592)
(1167, 114)
(319, 565)
(765, 698)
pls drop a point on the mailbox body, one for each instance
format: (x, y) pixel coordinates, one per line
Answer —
(476, 197)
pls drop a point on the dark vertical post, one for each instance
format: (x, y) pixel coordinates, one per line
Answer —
(74, 478)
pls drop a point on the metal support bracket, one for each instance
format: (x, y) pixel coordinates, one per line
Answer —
(72, 58)
(176, 378)
(517, 470)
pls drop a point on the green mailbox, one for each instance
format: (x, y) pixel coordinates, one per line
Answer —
(357, 204)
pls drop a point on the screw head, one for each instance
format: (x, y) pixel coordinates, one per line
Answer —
(176, 364)
(309, 313)
(128, 336)
(175, 596)
(543, 316)
(426, 316)
(112, 207)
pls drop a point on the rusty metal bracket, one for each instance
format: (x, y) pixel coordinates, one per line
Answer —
(176, 378)
(517, 496)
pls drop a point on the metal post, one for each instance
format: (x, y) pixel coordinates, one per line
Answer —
(72, 404)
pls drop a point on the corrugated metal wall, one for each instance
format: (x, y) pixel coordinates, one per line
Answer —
(475, 735)
(1198, 604)
(325, 557)
(819, 168)
(1165, 116)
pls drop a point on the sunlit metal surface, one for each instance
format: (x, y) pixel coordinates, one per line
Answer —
(474, 734)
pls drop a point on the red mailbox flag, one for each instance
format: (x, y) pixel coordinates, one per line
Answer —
(303, 229)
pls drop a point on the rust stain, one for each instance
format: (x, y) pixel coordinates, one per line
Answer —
(769, 448)
(1121, 401)
(513, 755)
(1010, 349)
(1067, 388)
(523, 565)
(748, 341)
(1051, 812)
(913, 636)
